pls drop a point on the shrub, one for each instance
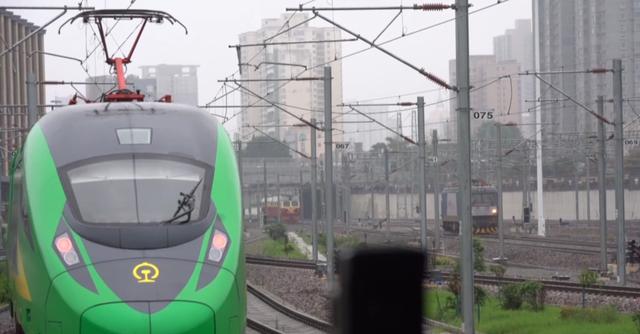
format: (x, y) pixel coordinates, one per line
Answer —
(636, 320)
(444, 261)
(276, 231)
(509, 296)
(478, 256)
(604, 315)
(498, 270)
(588, 278)
(532, 293)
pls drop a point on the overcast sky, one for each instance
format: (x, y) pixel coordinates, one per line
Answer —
(213, 25)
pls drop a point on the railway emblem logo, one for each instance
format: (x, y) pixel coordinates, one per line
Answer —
(146, 272)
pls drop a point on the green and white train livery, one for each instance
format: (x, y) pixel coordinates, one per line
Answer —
(125, 218)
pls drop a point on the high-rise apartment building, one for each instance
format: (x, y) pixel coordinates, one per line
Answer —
(97, 86)
(577, 35)
(517, 45)
(302, 98)
(492, 98)
(179, 81)
(14, 68)
(359, 129)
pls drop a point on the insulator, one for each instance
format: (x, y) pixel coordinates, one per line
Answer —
(434, 6)
(436, 80)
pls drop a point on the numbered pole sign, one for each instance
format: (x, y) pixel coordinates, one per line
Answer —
(483, 115)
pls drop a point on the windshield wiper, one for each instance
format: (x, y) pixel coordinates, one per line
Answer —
(186, 204)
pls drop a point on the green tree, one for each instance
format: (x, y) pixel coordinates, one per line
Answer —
(510, 134)
(478, 256)
(265, 147)
(587, 279)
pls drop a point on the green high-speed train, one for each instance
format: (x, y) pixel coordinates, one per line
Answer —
(125, 218)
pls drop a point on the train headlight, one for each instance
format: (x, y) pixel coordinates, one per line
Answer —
(494, 211)
(64, 245)
(218, 244)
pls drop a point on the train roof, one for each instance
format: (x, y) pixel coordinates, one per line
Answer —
(80, 132)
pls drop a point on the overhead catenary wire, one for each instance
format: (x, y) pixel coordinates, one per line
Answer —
(402, 36)
(281, 143)
(300, 118)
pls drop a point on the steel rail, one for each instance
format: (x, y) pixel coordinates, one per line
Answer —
(261, 328)
(289, 312)
(265, 261)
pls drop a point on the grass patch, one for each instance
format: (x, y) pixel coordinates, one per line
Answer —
(443, 261)
(339, 241)
(604, 315)
(495, 320)
(274, 248)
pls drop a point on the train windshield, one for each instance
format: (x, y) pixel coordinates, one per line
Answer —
(484, 199)
(134, 190)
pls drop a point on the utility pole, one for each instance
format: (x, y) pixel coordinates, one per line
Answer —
(328, 163)
(265, 191)
(239, 157)
(525, 176)
(300, 197)
(538, 127)
(588, 166)
(464, 162)
(575, 187)
(344, 189)
(348, 195)
(373, 196)
(32, 99)
(314, 195)
(602, 185)
(386, 195)
(617, 109)
(278, 197)
(436, 192)
(421, 175)
(499, 177)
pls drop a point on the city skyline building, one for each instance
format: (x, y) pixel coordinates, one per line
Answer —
(301, 98)
(517, 45)
(580, 35)
(179, 81)
(14, 68)
(495, 96)
(359, 129)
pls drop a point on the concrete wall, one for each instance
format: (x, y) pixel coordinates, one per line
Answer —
(558, 204)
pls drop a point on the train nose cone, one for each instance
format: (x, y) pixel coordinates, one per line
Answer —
(177, 318)
(183, 318)
(115, 318)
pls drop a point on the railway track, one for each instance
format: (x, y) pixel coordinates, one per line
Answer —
(604, 290)
(268, 315)
(298, 264)
(558, 245)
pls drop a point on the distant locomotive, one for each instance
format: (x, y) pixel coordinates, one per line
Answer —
(286, 211)
(484, 209)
